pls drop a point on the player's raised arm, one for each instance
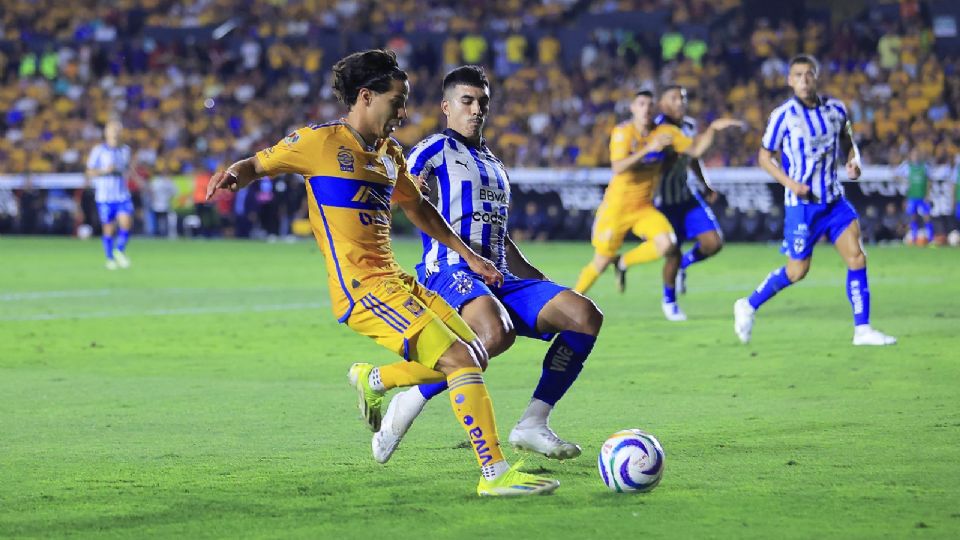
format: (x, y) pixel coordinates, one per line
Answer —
(636, 160)
(236, 176)
(425, 217)
(702, 142)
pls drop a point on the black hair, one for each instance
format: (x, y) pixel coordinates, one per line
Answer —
(673, 86)
(805, 59)
(469, 75)
(373, 69)
(644, 92)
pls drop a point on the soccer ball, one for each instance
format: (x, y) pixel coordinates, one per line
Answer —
(954, 238)
(631, 461)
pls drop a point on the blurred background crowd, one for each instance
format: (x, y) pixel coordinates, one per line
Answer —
(201, 83)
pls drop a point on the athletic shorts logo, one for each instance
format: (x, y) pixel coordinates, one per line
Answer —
(413, 307)
(799, 244)
(462, 282)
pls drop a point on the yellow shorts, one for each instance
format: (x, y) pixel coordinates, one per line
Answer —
(611, 226)
(412, 321)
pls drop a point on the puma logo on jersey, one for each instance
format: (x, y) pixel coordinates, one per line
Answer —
(458, 162)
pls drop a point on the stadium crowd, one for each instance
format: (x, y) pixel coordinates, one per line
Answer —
(190, 105)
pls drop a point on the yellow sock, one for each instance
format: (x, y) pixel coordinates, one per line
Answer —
(471, 404)
(645, 252)
(588, 276)
(407, 374)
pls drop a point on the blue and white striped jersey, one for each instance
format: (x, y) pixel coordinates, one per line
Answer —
(674, 186)
(110, 188)
(470, 188)
(808, 139)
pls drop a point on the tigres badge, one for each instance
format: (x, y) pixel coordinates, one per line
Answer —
(413, 307)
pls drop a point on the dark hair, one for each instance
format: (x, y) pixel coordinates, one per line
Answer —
(805, 59)
(644, 92)
(469, 75)
(373, 69)
(673, 86)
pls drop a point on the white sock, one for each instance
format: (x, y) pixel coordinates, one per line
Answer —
(536, 414)
(861, 328)
(375, 383)
(494, 470)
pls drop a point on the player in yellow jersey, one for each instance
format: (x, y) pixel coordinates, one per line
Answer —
(354, 171)
(638, 151)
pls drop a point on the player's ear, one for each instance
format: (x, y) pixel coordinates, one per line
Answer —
(364, 96)
(445, 107)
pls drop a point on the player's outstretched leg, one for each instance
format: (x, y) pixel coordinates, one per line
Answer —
(578, 322)
(125, 222)
(472, 406)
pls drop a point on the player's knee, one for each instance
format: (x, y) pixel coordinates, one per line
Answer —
(711, 245)
(857, 261)
(797, 272)
(499, 340)
(593, 319)
(458, 356)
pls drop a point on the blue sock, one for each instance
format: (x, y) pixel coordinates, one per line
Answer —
(858, 291)
(430, 391)
(108, 246)
(913, 230)
(669, 294)
(930, 231)
(775, 281)
(561, 365)
(692, 256)
(122, 238)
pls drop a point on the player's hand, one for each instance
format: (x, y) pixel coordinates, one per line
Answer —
(422, 183)
(491, 276)
(726, 123)
(853, 169)
(661, 141)
(222, 180)
(800, 190)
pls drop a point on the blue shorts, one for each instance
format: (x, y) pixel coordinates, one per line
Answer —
(523, 298)
(690, 220)
(804, 224)
(110, 210)
(918, 206)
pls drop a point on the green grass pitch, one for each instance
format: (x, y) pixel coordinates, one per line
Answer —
(202, 393)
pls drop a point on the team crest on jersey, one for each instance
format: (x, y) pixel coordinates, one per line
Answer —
(390, 166)
(345, 159)
(413, 307)
(292, 138)
(462, 282)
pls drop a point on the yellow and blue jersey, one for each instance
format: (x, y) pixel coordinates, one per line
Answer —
(349, 189)
(635, 188)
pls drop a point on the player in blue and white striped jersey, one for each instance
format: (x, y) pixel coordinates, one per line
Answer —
(472, 191)
(809, 133)
(684, 207)
(108, 166)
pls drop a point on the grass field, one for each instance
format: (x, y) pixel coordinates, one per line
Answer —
(202, 393)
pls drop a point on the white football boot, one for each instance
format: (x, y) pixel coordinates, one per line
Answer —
(111, 264)
(541, 439)
(743, 314)
(121, 258)
(401, 412)
(865, 334)
(672, 312)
